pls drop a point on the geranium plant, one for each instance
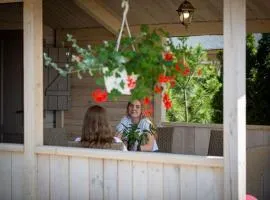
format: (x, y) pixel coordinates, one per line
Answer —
(152, 68)
(133, 137)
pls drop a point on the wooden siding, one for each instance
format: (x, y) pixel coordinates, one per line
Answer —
(81, 99)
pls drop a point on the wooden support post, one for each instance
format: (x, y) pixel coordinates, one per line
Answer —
(159, 110)
(33, 92)
(234, 99)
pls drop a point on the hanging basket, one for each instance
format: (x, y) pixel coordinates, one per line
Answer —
(120, 81)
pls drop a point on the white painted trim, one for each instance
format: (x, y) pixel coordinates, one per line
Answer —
(234, 98)
(4, 147)
(132, 156)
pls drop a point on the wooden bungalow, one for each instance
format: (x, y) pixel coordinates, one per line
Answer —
(34, 105)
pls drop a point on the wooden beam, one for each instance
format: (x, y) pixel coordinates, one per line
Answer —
(234, 98)
(100, 13)
(206, 28)
(202, 28)
(33, 92)
(10, 1)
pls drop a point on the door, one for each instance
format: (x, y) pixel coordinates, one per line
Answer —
(11, 86)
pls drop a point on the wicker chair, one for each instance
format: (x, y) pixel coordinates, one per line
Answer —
(216, 143)
(165, 139)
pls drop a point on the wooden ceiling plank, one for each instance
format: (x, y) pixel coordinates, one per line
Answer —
(196, 28)
(100, 13)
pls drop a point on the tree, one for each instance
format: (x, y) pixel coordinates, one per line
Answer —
(193, 93)
(258, 87)
(257, 82)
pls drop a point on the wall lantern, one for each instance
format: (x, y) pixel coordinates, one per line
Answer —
(185, 12)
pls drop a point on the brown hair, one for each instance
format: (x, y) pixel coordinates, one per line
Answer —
(96, 131)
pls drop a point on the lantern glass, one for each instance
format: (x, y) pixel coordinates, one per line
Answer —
(185, 12)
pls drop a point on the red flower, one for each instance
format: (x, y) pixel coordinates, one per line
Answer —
(167, 101)
(177, 68)
(168, 56)
(199, 72)
(172, 82)
(163, 78)
(186, 71)
(131, 82)
(99, 95)
(148, 112)
(166, 97)
(168, 105)
(158, 89)
(146, 101)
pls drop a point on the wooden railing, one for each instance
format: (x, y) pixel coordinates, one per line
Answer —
(78, 173)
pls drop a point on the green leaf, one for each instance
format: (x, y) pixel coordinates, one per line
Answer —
(122, 84)
(100, 81)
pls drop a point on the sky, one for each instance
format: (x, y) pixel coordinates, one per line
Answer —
(209, 42)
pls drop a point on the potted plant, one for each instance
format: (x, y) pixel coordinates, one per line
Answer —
(134, 138)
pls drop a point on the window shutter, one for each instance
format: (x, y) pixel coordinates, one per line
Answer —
(56, 87)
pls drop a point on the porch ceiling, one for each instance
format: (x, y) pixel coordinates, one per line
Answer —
(69, 14)
(66, 14)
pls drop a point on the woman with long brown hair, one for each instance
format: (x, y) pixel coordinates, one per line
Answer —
(96, 131)
(135, 117)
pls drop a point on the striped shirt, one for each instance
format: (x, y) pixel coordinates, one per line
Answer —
(144, 124)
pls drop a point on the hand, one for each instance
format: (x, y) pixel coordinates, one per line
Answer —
(149, 145)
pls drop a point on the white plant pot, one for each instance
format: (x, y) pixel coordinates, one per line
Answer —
(113, 82)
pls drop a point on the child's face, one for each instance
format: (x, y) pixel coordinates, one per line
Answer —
(135, 109)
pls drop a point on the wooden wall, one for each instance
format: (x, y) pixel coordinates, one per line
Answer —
(81, 89)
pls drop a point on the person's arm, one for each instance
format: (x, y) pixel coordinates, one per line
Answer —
(121, 127)
(119, 130)
(149, 145)
(119, 135)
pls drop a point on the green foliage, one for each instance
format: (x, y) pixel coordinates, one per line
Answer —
(257, 82)
(217, 103)
(147, 61)
(258, 79)
(132, 135)
(193, 94)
